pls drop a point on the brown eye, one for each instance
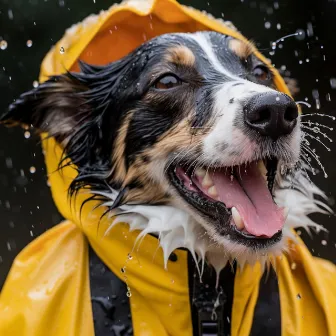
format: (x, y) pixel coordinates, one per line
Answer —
(167, 82)
(262, 73)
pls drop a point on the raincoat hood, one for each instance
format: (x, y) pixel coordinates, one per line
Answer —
(47, 290)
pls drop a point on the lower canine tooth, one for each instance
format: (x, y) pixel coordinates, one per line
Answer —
(285, 212)
(207, 182)
(237, 219)
(213, 191)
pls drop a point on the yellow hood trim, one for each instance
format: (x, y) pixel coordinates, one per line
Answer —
(47, 289)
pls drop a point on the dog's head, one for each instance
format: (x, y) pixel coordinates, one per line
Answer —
(191, 120)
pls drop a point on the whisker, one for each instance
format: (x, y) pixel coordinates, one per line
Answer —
(316, 131)
(316, 157)
(319, 115)
(310, 123)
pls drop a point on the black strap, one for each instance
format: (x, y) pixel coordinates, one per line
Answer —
(211, 307)
(267, 313)
(110, 305)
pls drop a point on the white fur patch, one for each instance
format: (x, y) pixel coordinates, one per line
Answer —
(175, 228)
(224, 133)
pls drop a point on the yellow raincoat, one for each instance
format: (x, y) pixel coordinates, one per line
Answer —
(47, 291)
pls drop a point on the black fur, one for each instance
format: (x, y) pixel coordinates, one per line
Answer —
(84, 111)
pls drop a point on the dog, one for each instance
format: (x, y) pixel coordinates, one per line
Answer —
(192, 127)
(189, 120)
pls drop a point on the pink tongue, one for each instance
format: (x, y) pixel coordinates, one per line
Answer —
(252, 199)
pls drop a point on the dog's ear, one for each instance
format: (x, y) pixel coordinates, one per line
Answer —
(55, 107)
(76, 109)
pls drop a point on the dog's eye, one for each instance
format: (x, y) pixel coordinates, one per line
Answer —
(167, 82)
(262, 73)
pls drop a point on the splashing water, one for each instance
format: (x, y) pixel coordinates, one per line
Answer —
(312, 123)
(319, 115)
(303, 103)
(298, 33)
(311, 153)
(123, 271)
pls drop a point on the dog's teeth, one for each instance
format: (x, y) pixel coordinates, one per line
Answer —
(200, 172)
(207, 181)
(262, 169)
(237, 219)
(285, 212)
(212, 191)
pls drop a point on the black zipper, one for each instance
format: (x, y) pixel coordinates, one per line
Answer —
(211, 307)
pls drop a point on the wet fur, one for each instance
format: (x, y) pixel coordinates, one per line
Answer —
(120, 134)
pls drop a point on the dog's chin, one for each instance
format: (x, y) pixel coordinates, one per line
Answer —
(232, 206)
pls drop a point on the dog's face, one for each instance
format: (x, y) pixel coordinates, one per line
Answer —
(192, 120)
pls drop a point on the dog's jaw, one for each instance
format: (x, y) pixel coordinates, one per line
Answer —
(176, 228)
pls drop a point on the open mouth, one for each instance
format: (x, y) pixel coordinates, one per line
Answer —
(237, 200)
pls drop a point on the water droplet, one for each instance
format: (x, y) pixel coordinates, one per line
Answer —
(277, 98)
(10, 14)
(324, 242)
(62, 50)
(29, 43)
(298, 296)
(278, 26)
(333, 83)
(9, 162)
(293, 266)
(32, 170)
(300, 34)
(123, 270)
(129, 256)
(310, 31)
(3, 45)
(35, 84)
(27, 134)
(267, 25)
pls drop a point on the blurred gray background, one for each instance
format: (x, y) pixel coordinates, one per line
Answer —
(31, 27)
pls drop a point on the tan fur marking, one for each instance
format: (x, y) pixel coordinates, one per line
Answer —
(179, 138)
(180, 55)
(118, 159)
(242, 49)
(150, 192)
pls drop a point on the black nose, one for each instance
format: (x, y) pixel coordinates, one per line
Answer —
(271, 114)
